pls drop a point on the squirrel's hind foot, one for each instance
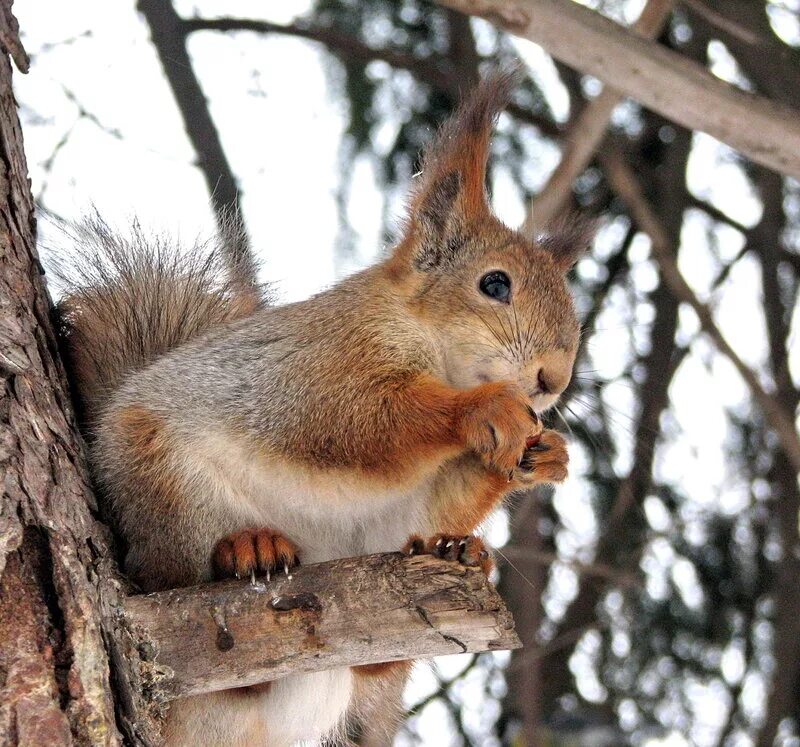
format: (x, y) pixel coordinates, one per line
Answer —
(468, 550)
(261, 550)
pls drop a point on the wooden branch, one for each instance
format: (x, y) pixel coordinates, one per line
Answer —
(624, 182)
(169, 39)
(428, 70)
(662, 80)
(341, 613)
(586, 132)
(726, 25)
(346, 45)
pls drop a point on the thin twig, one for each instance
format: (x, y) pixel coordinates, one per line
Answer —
(586, 132)
(624, 182)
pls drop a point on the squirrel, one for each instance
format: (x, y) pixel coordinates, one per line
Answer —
(395, 410)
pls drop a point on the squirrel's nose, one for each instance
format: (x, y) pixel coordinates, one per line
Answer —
(541, 380)
(549, 372)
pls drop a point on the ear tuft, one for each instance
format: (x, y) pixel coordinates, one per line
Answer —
(451, 190)
(462, 143)
(568, 238)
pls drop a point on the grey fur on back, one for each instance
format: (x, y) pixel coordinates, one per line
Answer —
(128, 299)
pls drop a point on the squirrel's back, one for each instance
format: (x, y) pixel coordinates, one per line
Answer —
(129, 298)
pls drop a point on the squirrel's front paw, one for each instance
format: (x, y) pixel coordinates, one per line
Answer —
(545, 462)
(469, 550)
(250, 551)
(496, 421)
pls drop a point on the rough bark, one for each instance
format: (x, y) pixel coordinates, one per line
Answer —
(347, 612)
(664, 81)
(55, 558)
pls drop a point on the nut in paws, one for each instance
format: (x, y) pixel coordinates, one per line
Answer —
(497, 422)
(545, 462)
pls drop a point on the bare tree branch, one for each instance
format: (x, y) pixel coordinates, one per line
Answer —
(678, 88)
(717, 214)
(726, 25)
(586, 132)
(659, 367)
(340, 613)
(765, 241)
(428, 70)
(626, 185)
(746, 30)
(169, 38)
(346, 45)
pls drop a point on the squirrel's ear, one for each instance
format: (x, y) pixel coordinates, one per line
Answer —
(451, 189)
(568, 239)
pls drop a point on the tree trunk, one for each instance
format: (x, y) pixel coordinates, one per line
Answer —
(57, 573)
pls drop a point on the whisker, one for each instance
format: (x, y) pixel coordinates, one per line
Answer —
(504, 341)
(518, 336)
(519, 572)
(564, 420)
(599, 448)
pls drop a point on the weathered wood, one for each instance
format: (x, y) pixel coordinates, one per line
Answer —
(342, 613)
(666, 82)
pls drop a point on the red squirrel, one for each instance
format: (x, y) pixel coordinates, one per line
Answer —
(394, 410)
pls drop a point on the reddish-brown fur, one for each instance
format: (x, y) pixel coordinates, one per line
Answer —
(406, 387)
(253, 550)
(383, 668)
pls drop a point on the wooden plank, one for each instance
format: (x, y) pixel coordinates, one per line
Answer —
(661, 79)
(342, 613)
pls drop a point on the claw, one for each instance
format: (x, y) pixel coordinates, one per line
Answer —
(439, 542)
(286, 570)
(253, 577)
(449, 545)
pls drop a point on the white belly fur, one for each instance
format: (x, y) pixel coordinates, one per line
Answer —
(327, 516)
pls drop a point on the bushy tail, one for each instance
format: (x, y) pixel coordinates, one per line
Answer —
(127, 299)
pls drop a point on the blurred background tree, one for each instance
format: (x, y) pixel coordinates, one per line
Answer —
(657, 592)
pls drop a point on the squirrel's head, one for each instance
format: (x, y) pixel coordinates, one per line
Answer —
(496, 302)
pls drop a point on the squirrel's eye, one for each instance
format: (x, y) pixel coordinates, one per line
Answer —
(496, 285)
